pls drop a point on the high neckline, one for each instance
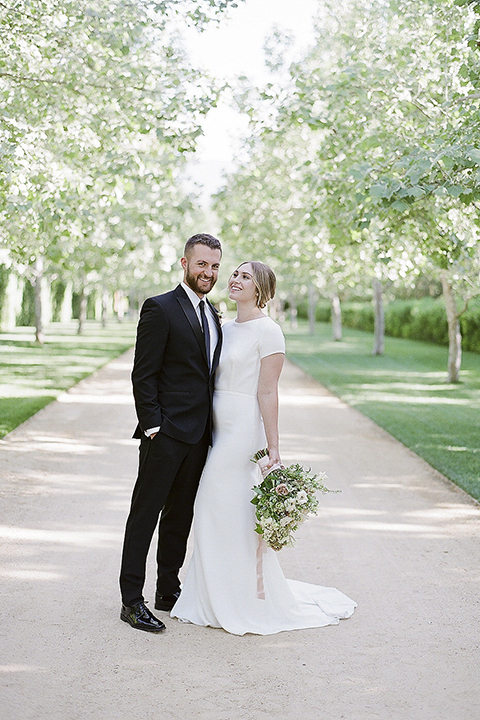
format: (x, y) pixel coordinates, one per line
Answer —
(244, 322)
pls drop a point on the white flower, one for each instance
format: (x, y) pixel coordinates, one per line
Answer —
(302, 497)
(290, 504)
(286, 520)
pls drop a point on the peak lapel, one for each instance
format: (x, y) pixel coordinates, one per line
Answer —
(218, 347)
(192, 318)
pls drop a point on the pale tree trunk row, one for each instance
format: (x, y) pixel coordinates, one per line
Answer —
(336, 313)
(379, 314)
(312, 301)
(39, 297)
(12, 303)
(453, 318)
(454, 334)
(82, 314)
(336, 318)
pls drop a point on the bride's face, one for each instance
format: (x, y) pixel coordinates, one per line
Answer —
(241, 286)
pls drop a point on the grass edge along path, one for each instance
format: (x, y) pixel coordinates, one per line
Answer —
(403, 391)
(34, 375)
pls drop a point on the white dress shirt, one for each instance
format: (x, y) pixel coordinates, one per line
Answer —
(212, 326)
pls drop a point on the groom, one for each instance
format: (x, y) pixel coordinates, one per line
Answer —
(176, 354)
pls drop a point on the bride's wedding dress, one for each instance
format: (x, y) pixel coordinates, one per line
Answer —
(234, 581)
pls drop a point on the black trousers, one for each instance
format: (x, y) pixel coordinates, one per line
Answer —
(168, 476)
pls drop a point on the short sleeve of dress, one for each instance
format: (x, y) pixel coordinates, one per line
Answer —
(271, 339)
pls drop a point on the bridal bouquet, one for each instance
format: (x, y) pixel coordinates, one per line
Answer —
(284, 499)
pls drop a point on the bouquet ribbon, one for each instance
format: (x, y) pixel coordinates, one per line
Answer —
(264, 468)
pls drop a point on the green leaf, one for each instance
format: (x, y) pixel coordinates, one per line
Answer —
(475, 155)
(380, 191)
(456, 190)
(416, 191)
(400, 205)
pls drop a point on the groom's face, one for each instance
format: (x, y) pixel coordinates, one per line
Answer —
(200, 268)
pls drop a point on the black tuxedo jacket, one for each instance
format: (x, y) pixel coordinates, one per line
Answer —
(172, 384)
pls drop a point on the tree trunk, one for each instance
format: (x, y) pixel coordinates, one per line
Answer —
(119, 304)
(379, 339)
(38, 288)
(66, 307)
(336, 318)
(104, 308)
(454, 334)
(311, 309)
(12, 302)
(293, 313)
(82, 316)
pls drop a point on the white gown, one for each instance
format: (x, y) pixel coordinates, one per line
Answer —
(234, 581)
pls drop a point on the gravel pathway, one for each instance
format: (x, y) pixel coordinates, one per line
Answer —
(399, 539)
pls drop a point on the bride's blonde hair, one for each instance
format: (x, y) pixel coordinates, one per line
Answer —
(264, 280)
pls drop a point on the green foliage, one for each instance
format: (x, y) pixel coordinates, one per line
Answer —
(4, 273)
(416, 320)
(413, 319)
(58, 293)
(358, 315)
(100, 110)
(470, 327)
(364, 162)
(323, 311)
(26, 316)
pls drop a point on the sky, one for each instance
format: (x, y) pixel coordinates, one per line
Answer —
(232, 49)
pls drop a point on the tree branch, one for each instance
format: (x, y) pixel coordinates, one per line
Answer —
(472, 96)
(18, 12)
(419, 107)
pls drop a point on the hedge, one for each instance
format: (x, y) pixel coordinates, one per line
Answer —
(424, 319)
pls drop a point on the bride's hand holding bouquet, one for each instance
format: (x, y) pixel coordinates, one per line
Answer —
(284, 499)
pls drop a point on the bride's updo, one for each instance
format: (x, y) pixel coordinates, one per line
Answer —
(264, 280)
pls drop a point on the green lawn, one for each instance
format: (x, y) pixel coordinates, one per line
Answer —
(403, 391)
(33, 375)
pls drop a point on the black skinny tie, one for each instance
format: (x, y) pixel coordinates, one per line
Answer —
(206, 329)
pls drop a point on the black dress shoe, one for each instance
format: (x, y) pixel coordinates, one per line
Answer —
(140, 618)
(166, 602)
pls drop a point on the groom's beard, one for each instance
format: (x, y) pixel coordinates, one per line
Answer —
(196, 285)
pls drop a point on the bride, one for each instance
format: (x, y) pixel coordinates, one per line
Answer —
(234, 580)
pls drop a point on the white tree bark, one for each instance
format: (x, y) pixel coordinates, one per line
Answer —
(12, 303)
(105, 303)
(66, 308)
(454, 334)
(82, 316)
(379, 337)
(311, 309)
(336, 318)
(39, 297)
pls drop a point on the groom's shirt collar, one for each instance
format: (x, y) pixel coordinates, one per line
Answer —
(192, 296)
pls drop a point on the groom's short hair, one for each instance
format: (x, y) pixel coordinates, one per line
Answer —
(202, 239)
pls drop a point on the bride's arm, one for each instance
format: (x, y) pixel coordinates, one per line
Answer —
(270, 370)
